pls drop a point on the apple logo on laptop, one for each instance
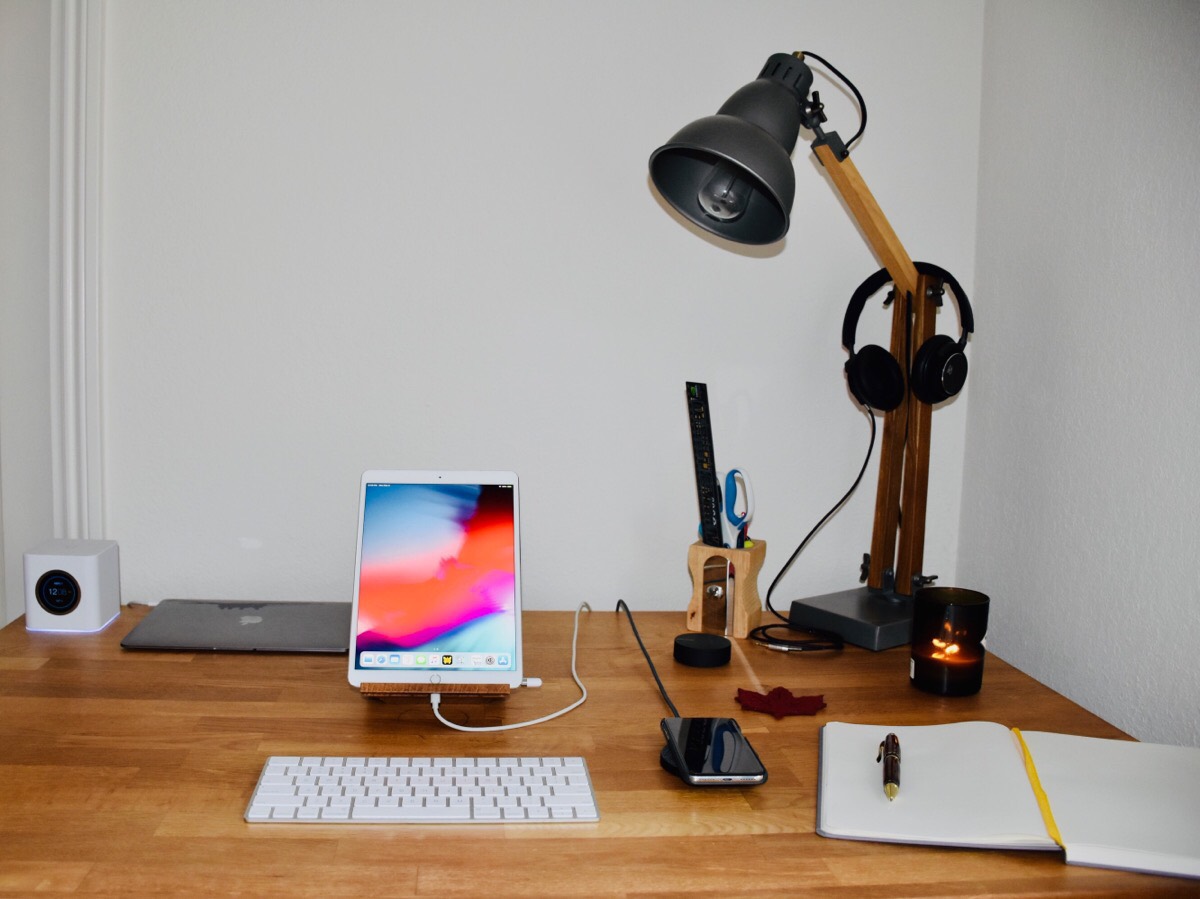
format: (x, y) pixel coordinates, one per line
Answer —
(251, 619)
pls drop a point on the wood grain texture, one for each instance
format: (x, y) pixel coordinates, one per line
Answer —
(910, 553)
(399, 691)
(127, 773)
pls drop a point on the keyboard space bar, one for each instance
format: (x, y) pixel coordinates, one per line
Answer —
(408, 813)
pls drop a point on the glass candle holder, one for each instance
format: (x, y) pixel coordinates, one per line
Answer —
(949, 624)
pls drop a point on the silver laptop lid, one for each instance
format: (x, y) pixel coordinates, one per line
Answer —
(243, 626)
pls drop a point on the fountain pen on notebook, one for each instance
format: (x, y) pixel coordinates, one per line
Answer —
(889, 754)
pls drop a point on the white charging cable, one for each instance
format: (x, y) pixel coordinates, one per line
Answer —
(435, 699)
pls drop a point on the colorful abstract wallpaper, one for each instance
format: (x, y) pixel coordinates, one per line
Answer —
(438, 569)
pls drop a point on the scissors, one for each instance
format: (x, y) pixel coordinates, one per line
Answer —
(736, 493)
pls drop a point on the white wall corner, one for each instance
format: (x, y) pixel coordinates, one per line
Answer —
(76, 142)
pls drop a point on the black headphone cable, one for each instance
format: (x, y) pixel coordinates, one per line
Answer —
(821, 640)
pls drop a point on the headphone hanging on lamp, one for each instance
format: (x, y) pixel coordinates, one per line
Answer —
(939, 369)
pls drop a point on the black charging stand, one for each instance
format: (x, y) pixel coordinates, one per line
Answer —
(667, 759)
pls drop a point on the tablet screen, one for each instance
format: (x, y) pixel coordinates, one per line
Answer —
(437, 585)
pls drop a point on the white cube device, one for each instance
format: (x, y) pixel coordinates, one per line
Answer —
(72, 586)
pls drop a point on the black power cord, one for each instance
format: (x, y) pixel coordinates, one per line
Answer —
(862, 104)
(820, 640)
(766, 635)
(661, 689)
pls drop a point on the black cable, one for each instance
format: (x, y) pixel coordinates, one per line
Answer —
(661, 689)
(838, 505)
(818, 641)
(862, 104)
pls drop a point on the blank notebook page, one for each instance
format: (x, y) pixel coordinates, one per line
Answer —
(1114, 800)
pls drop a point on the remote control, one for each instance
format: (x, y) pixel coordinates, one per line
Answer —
(707, 489)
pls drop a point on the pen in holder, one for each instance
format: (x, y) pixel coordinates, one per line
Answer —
(725, 596)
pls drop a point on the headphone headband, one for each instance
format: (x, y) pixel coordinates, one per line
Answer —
(870, 286)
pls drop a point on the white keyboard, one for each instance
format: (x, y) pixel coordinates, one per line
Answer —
(325, 789)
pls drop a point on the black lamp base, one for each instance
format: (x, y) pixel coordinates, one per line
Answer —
(868, 618)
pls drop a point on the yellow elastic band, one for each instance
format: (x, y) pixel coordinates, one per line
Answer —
(1043, 800)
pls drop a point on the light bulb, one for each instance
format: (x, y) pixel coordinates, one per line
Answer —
(726, 193)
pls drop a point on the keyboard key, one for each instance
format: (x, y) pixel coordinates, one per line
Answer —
(401, 814)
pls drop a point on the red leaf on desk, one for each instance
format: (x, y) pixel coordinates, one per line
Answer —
(780, 702)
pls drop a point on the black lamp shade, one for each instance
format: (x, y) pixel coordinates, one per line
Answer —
(752, 135)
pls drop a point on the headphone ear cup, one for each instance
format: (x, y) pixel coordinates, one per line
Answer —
(875, 378)
(939, 370)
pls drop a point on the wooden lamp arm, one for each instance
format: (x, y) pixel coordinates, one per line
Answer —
(904, 448)
(870, 218)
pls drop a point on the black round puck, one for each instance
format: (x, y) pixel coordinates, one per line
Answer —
(702, 650)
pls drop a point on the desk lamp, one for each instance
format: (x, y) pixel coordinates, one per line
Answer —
(731, 174)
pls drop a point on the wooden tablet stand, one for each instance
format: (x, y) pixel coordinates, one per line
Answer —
(409, 691)
(725, 588)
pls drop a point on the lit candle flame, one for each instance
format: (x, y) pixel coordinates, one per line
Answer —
(945, 647)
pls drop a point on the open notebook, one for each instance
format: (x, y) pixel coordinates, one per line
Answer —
(1107, 803)
(437, 581)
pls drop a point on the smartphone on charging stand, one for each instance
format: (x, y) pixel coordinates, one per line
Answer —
(711, 752)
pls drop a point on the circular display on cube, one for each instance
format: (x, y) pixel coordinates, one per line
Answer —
(57, 592)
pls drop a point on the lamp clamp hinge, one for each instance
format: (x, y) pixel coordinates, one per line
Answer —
(815, 110)
(830, 140)
(889, 574)
(922, 580)
(935, 292)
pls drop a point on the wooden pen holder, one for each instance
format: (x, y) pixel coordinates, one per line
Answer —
(725, 588)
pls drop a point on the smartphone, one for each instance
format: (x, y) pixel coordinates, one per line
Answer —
(712, 752)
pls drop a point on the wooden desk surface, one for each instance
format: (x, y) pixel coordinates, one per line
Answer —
(127, 773)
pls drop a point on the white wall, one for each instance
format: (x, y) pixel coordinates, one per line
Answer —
(1081, 489)
(349, 235)
(26, 516)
